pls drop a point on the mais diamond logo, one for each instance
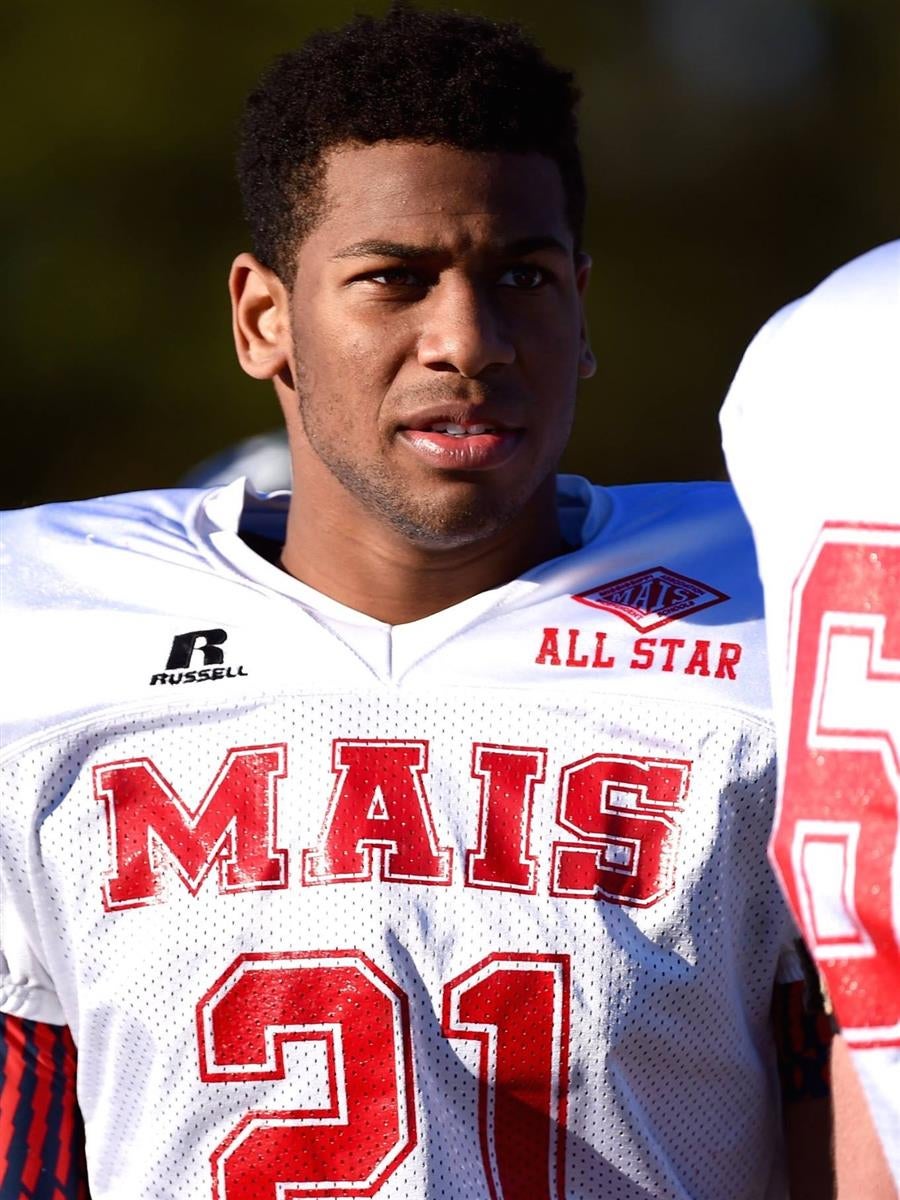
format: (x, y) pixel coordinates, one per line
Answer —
(651, 598)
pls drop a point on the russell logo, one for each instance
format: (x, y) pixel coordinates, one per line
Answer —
(181, 666)
(651, 598)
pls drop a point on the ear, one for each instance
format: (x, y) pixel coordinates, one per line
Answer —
(587, 364)
(260, 318)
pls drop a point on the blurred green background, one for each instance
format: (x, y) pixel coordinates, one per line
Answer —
(737, 150)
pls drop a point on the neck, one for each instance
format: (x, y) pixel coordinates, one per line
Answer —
(377, 571)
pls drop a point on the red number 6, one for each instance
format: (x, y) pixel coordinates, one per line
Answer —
(836, 837)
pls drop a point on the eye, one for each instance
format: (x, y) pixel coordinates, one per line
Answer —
(525, 277)
(397, 277)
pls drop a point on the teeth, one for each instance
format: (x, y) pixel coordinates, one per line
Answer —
(459, 430)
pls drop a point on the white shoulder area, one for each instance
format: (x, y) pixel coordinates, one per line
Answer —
(89, 588)
(826, 353)
(657, 520)
(709, 507)
(87, 551)
(653, 604)
(698, 528)
(811, 423)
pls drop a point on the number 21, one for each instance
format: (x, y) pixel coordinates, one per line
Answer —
(516, 1007)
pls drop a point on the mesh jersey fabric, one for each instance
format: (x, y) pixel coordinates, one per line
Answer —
(469, 907)
(811, 428)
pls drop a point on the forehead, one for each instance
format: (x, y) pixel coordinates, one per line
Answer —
(407, 191)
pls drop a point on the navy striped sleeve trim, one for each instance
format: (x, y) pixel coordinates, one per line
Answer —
(803, 1033)
(41, 1132)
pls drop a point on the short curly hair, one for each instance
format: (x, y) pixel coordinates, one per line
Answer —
(445, 78)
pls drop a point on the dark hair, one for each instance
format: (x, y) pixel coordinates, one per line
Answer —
(437, 77)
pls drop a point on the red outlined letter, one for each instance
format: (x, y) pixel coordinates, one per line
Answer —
(836, 839)
(152, 830)
(378, 807)
(624, 810)
(517, 1008)
(340, 998)
(508, 776)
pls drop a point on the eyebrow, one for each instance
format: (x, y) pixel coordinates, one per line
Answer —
(378, 248)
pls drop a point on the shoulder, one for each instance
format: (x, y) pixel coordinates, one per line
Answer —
(701, 517)
(862, 296)
(811, 421)
(665, 595)
(86, 585)
(64, 551)
(870, 282)
(698, 527)
(833, 349)
(696, 530)
(706, 497)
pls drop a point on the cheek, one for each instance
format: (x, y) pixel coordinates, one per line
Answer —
(550, 360)
(326, 355)
(362, 350)
(550, 328)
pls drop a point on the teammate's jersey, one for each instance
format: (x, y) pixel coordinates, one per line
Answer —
(812, 436)
(476, 906)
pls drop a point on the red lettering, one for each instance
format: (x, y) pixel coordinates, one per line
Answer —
(572, 661)
(549, 651)
(699, 662)
(729, 657)
(624, 811)
(378, 808)
(508, 775)
(599, 659)
(152, 830)
(671, 645)
(643, 653)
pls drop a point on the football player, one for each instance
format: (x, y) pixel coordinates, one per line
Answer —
(811, 431)
(403, 837)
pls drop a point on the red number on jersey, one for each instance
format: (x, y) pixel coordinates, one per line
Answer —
(624, 811)
(517, 1008)
(836, 838)
(351, 1144)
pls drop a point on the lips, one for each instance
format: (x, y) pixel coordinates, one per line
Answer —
(471, 442)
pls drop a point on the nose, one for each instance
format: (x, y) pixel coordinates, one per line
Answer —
(464, 330)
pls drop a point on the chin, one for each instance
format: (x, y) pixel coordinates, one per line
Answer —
(440, 513)
(451, 523)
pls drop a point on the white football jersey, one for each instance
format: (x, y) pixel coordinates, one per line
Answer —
(473, 907)
(812, 436)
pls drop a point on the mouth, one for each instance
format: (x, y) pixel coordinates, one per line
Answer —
(461, 444)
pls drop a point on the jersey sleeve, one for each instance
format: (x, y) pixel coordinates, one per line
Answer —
(802, 1027)
(790, 962)
(41, 1132)
(26, 988)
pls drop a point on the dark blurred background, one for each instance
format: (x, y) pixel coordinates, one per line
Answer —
(737, 150)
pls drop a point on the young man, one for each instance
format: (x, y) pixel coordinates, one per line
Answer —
(811, 429)
(406, 839)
